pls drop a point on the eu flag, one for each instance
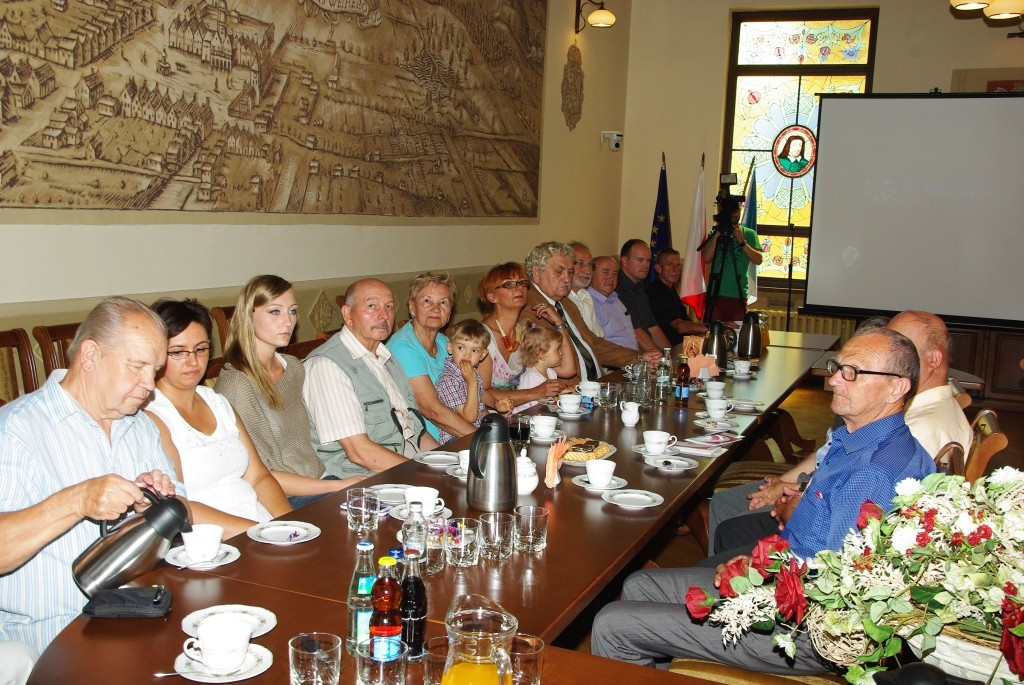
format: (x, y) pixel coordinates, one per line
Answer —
(661, 228)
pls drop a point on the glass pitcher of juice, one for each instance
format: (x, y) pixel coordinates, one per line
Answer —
(480, 635)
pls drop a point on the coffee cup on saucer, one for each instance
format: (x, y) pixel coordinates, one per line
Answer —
(600, 472)
(569, 403)
(543, 426)
(221, 644)
(717, 409)
(715, 389)
(203, 542)
(656, 442)
(425, 496)
(741, 367)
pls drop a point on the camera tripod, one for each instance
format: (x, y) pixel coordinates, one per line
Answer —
(723, 250)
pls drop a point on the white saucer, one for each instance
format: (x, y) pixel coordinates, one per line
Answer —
(456, 472)
(582, 481)
(708, 452)
(390, 493)
(633, 499)
(572, 416)
(742, 376)
(401, 511)
(262, 620)
(670, 451)
(437, 458)
(715, 425)
(548, 440)
(257, 661)
(671, 463)
(715, 439)
(283, 532)
(179, 557)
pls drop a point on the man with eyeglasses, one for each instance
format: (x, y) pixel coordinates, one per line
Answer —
(870, 453)
(75, 452)
(550, 268)
(932, 415)
(583, 273)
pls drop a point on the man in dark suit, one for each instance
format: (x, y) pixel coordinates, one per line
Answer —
(550, 269)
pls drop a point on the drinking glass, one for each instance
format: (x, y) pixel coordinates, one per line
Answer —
(437, 525)
(381, 662)
(363, 510)
(519, 432)
(531, 533)
(436, 651)
(527, 657)
(462, 542)
(496, 535)
(609, 395)
(314, 659)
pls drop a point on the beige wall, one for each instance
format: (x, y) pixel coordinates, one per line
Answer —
(679, 52)
(579, 197)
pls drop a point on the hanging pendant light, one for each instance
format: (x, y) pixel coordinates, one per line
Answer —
(1004, 9)
(967, 5)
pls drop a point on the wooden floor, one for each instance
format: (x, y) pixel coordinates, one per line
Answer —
(809, 406)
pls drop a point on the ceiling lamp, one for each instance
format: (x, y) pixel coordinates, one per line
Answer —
(599, 18)
(1004, 9)
(967, 5)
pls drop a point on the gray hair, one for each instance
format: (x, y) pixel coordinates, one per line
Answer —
(577, 243)
(539, 256)
(902, 355)
(107, 322)
(873, 323)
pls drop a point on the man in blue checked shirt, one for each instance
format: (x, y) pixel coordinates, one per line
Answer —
(75, 452)
(874, 374)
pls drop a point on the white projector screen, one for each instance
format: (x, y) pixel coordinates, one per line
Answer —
(919, 204)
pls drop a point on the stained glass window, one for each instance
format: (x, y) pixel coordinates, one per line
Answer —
(782, 62)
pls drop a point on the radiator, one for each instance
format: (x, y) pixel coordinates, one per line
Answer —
(830, 325)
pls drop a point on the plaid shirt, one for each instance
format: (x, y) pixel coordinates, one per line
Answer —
(451, 390)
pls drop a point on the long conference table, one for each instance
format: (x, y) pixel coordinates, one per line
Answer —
(590, 541)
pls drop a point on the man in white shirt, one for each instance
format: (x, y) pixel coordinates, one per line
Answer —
(584, 273)
(361, 405)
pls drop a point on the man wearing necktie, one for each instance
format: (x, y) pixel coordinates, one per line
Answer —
(550, 268)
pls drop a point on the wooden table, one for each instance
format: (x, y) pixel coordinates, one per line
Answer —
(805, 341)
(590, 541)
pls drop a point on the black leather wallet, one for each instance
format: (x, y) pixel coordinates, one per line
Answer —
(130, 602)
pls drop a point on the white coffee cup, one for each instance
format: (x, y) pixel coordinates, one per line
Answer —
(717, 409)
(600, 471)
(464, 460)
(425, 496)
(589, 389)
(569, 403)
(656, 442)
(741, 367)
(203, 543)
(543, 426)
(221, 643)
(715, 389)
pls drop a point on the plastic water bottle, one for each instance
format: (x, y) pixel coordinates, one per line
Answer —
(663, 378)
(414, 531)
(360, 606)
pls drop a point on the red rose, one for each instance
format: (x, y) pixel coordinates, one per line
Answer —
(698, 602)
(869, 510)
(735, 568)
(1010, 645)
(789, 592)
(762, 555)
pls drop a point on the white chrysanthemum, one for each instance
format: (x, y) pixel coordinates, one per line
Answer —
(904, 537)
(1005, 475)
(964, 523)
(738, 614)
(908, 487)
(992, 599)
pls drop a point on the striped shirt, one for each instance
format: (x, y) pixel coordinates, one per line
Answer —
(331, 399)
(49, 443)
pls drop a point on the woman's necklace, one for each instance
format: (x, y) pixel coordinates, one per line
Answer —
(510, 345)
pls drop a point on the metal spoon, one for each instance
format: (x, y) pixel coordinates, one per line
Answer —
(164, 675)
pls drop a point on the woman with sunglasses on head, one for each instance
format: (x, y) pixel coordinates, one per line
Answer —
(501, 296)
(227, 483)
(265, 388)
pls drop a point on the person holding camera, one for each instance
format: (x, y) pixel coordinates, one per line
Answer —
(741, 247)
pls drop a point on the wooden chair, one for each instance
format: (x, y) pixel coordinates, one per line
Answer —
(301, 349)
(961, 396)
(783, 431)
(988, 441)
(222, 315)
(950, 459)
(213, 369)
(16, 342)
(53, 344)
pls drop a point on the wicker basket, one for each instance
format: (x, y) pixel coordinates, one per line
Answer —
(842, 650)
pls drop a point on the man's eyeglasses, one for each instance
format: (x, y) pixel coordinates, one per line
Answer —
(580, 262)
(199, 352)
(512, 285)
(850, 373)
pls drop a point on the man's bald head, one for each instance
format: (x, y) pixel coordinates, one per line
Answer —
(931, 338)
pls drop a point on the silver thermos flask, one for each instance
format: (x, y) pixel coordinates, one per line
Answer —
(491, 483)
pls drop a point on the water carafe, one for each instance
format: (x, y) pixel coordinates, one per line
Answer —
(749, 344)
(480, 633)
(491, 483)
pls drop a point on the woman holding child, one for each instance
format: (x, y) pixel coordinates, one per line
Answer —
(501, 297)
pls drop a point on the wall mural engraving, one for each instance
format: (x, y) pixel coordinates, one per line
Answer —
(377, 107)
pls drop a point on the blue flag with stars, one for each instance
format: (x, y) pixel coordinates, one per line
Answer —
(661, 228)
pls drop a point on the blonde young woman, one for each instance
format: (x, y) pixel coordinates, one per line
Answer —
(265, 388)
(227, 483)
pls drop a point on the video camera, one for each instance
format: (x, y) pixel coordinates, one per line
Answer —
(727, 203)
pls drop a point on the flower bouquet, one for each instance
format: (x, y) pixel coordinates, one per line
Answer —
(948, 559)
